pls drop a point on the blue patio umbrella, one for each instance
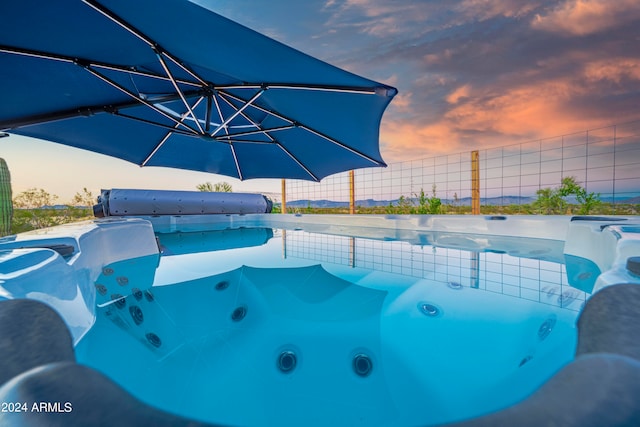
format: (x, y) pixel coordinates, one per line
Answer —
(171, 83)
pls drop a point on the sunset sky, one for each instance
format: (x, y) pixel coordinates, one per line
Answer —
(470, 74)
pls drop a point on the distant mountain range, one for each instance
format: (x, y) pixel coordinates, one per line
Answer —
(465, 201)
(56, 207)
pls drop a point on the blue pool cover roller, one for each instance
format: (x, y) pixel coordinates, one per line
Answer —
(124, 202)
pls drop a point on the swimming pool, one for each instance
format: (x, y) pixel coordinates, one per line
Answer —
(367, 320)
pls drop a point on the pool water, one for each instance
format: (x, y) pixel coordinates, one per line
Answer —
(262, 326)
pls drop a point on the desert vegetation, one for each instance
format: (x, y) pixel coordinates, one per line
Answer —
(219, 187)
(36, 208)
(568, 198)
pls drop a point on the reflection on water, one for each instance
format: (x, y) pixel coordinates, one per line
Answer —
(43, 274)
(357, 332)
(124, 278)
(212, 240)
(532, 269)
(581, 272)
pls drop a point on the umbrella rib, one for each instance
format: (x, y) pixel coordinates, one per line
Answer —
(265, 132)
(264, 110)
(142, 73)
(379, 90)
(166, 137)
(295, 159)
(95, 64)
(136, 97)
(341, 89)
(342, 145)
(83, 111)
(311, 130)
(332, 88)
(89, 65)
(156, 148)
(235, 159)
(260, 130)
(124, 24)
(36, 54)
(178, 90)
(149, 122)
(245, 141)
(247, 118)
(238, 111)
(215, 100)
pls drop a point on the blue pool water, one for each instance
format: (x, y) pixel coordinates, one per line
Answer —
(263, 326)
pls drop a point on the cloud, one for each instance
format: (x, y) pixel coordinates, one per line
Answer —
(403, 102)
(584, 17)
(402, 140)
(383, 18)
(378, 18)
(518, 112)
(620, 71)
(459, 94)
(480, 10)
(510, 111)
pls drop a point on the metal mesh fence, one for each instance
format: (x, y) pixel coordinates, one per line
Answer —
(604, 161)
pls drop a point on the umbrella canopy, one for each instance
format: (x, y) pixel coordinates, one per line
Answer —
(171, 83)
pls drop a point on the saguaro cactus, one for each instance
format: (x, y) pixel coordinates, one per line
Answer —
(6, 204)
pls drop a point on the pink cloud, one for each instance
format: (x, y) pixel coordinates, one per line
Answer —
(403, 102)
(582, 17)
(507, 114)
(459, 94)
(402, 140)
(614, 71)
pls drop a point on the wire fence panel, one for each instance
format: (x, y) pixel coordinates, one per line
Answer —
(604, 162)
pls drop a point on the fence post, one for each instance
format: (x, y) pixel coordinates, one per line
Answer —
(352, 193)
(475, 270)
(284, 196)
(475, 183)
(352, 252)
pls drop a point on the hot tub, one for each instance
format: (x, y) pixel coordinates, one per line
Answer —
(291, 320)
